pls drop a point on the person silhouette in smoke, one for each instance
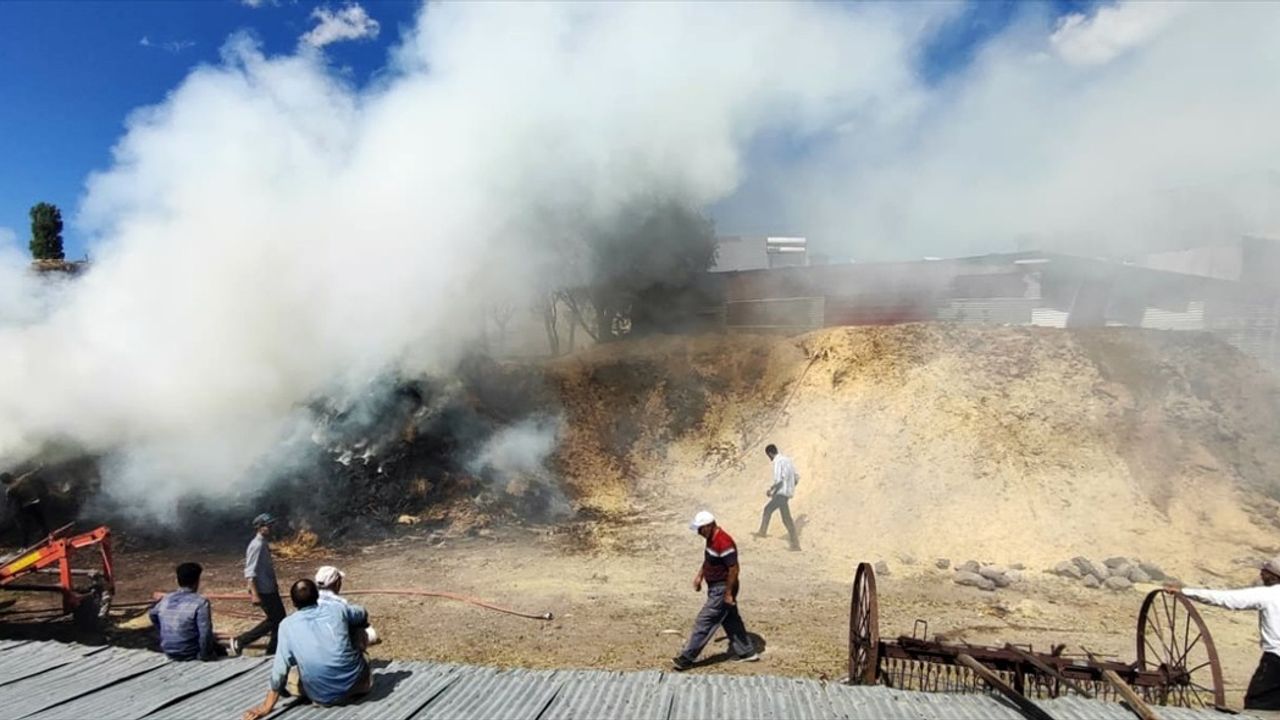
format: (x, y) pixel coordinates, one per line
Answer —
(25, 494)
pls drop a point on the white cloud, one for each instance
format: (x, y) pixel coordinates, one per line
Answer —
(7, 236)
(351, 22)
(1111, 30)
(173, 46)
(255, 4)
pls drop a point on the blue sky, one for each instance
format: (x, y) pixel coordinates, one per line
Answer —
(70, 73)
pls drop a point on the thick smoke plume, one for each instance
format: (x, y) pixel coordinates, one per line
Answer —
(270, 234)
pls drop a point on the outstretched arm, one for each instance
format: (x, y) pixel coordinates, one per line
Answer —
(1244, 599)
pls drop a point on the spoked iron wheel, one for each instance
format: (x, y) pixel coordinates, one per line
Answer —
(864, 628)
(1172, 639)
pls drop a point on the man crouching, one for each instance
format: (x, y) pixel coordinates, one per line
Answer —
(315, 657)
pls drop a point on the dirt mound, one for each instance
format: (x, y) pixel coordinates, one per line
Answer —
(1003, 444)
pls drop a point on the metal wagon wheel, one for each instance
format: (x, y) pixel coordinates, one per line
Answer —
(864, 628)
(1172, 639)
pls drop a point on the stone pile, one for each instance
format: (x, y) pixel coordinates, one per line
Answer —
(1114, 573)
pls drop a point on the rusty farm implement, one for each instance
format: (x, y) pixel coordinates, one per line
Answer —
(1177, 663)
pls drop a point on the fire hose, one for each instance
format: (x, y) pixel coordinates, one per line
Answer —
(546, 616)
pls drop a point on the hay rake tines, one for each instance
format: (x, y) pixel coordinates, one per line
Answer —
(1177, 662)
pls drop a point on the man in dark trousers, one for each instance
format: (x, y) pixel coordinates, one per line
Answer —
(720, 571)
(260, 574)
(25, 494)
(781, 489)
(1264, 687)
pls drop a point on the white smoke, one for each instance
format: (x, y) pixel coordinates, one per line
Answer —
(519, 448)
(270, 233)
(1142, 126)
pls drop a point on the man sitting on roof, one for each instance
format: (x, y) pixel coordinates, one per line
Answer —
(329, 580)
(315, 657)
(184, 619)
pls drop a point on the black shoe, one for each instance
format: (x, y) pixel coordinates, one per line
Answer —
(794, 548)
(679, 664)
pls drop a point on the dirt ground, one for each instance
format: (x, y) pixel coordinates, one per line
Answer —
(1002, 445)
(630, 607)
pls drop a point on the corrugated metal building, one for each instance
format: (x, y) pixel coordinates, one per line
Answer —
(52, 681)
(1028, 288)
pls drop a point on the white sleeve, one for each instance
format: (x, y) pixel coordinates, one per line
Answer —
(1245, 599)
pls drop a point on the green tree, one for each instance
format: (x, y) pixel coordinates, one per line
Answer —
(46, 232)
(654, 247)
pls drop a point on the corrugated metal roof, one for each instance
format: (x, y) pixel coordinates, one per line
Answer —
(590, 694)
(478, 692)
(226, 700)
(136, 697)
(38, 658)
(85, 675)
(399, 691)
(121, 683)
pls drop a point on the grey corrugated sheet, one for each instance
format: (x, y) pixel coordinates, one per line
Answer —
(224, 700)
(399, 690)
(8, 644)
(147, 693)
(889, 704)
(119, 683)
(769, 698)
(486, 693)
(39, 657)
(82, 676)
(1078, 708)
(591, 694)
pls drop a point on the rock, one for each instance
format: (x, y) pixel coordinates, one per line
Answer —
(1091, 581)
(1119, 570)
(1152, 570)
(882, 568)
(987, 585)
(991, 572)
(964, 577)
(1136, 575)
(1068, 570)
(408, 519)
(970, 566)
(1017, 566)
(907, 560)
(1101, 576)
(1001, 580)
(942, 563)
(1117, 561)
(1014, 576)
(1086, 567)
(1117, 583)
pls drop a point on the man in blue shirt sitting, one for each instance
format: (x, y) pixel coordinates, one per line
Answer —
(315, 658)
(184, 619)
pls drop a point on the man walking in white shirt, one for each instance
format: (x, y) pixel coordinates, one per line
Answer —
(780, 492)
(1264, 688)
